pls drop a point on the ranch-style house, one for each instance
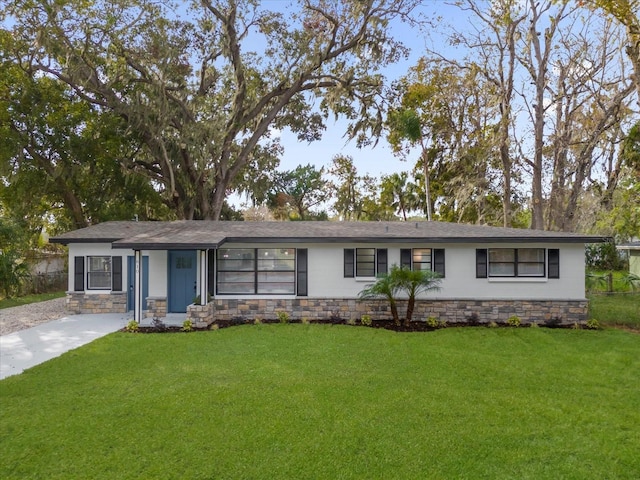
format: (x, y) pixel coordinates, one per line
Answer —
(218, 270)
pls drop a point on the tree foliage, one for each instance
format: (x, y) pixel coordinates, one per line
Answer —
(200, 91)
(297, 192)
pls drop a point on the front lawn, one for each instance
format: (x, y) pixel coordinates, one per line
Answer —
(329, 402)
(616, 310)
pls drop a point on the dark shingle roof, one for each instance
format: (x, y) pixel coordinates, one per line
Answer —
(189, 234)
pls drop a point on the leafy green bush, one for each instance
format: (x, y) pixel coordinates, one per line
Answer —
(514, 321)
(283, 317)
(593, 324)
(13, 272)
(132, 326)
(187, 325)
(366, 320)
(433, 322)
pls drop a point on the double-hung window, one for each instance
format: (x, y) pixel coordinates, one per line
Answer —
(364, 262)
(513, 262)
(256, 271)
(423, 259)
(99, 273)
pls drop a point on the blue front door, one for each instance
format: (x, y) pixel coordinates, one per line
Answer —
(182, 279)
(131, 272)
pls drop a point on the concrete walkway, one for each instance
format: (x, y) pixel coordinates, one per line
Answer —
(27, 348)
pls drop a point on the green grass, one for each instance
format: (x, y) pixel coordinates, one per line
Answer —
(616, 310)
(40, 297)
(329, 402)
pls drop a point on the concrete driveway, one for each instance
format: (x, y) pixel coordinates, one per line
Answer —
(27, 348)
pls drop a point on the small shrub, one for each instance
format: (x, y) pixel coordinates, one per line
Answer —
(257, 321)
(187, 325)
(433, 322)
(132, 326)
(305, 321)
(493, 324)
(351, 321)
(283, 317)
(366, 320)
(514, 321)
(215, 326)
(575, 326)
(593, 324)
(534, 325)
(442, 324)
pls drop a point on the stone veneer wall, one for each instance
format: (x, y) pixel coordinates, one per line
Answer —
(452, 311)
(80, 302)
(156, 307)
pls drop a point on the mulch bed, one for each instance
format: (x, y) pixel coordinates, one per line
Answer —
(414, 326)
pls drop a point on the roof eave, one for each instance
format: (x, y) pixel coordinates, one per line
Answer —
(67, 241)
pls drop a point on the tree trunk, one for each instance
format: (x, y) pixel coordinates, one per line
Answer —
(394, 311)
(411, 303)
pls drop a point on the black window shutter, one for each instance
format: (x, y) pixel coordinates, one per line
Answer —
(438, 261)
(553, 261)
(481, 263)
(349, 262)
(302, 273)
(116, 274)
(78, 274)
(405, 257)
(211, 272)
(381, 261)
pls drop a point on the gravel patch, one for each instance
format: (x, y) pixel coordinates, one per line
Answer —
(26, 316)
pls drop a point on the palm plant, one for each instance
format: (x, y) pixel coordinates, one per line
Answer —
(631, 280)
(405, 280)
(413, 283)
(385, 287)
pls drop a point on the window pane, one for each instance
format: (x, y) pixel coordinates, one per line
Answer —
(531, 255)
(276, 282)
(242, 277)
(276, 259)
(501, 269)
(246, 288)
(238, 259)
(502, 255)
(531, 269)
(422, 255)
(99, 264)
(100, 280)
